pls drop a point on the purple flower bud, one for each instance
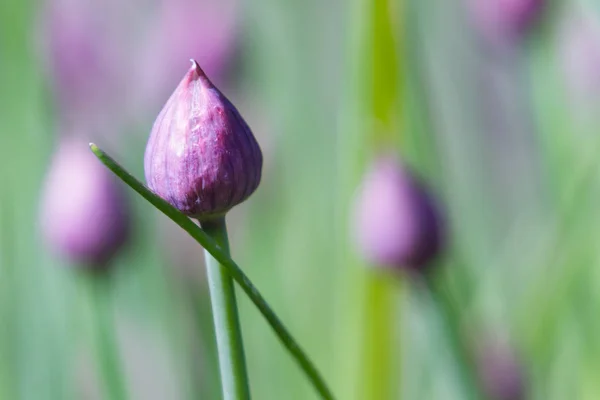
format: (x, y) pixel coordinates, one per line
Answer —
(505, 20)
(84, 215)
(74, 45)
(90, 46)
(500, 371)
(397, 223)
(201, 156)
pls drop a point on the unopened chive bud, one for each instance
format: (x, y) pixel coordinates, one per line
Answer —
(201, 156)
(84, 215)
(396, 222)
(505, 21)
(500, 372)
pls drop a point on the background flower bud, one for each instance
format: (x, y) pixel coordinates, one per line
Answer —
(504, 20)
(201, 155)
(499, 369)
(75, 44)
(202, 29)
(89, 47)
(396, 221)
(84, 216)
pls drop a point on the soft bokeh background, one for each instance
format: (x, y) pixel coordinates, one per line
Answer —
(504, 130)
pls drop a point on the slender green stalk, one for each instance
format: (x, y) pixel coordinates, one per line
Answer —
(379, 345)
(386, 106)
(8, 300)
(106, 351)
(232, 363)
(226, 262)
(373, 113)
(451, 321)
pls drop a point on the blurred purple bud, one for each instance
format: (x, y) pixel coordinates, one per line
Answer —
(78, 58)
(91, 45)
(199, 29)
(505, 20)
(201, 156)
(84, 215)
(579, 47)
(397, 224)
(501, 375)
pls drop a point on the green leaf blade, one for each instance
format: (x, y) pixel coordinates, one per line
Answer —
(234, 270)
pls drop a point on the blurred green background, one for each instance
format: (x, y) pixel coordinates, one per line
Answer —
(504, 133)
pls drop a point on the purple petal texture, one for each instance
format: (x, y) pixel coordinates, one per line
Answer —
(397, 225)
(84, 216)
(579, 50)
(201, 155)
(504, 21)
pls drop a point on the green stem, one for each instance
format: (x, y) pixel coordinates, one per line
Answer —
(106, 350)
(8, 299)
(379, 345)
(226, 262)
(451, 320)
(232, 364)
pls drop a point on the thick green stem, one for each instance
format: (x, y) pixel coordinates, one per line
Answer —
(105, 345)
(232, 363)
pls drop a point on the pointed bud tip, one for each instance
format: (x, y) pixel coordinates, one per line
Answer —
(196, 70)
